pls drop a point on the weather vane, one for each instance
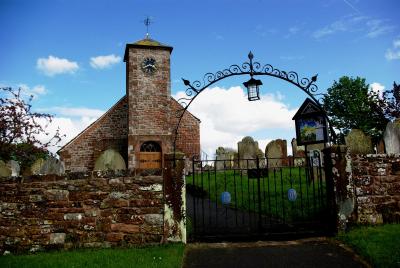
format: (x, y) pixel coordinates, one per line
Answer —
(147, 21)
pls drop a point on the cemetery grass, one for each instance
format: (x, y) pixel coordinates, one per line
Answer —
(379, 245)
(274, 192)
(155, 256)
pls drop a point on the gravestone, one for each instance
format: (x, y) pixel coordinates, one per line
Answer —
(110, 160)
(380, 147)
(50, 165)
(358, 142)
(225, 158)
(248, 150)
(276, 153)
(5, 170)
(14, 166)
(299, 154)
(391, 137)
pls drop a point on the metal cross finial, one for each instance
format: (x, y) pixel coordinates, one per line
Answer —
(147, 21)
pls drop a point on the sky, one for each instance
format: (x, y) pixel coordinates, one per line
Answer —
(68, 54)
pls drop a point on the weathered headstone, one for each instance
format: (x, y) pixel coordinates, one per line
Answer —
(225, 157)
(110, 160)
(298, 151)
(380, 147)
(14, 166)
(248, 149)
(5, 170)
(299, 154)
(358, 142)
(391, 137)
(50, 165)
(276, 153)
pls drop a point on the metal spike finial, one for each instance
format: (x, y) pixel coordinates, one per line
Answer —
(251, 56)
(314, 78)
(147, 21)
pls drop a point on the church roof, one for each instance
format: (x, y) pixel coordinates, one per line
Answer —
(147, 43)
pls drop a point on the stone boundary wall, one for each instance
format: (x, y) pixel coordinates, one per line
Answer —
(95, 209)
(377, 188)
(366, 187)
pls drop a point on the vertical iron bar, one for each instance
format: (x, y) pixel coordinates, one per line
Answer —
(292, 208)
(283, 199)
(209, 193)
(234, 189)
(216, 195)
(241, 190)
(202, 199)
(301, 195)
(258, 193)
(226, 206)
(275, 195)
(313, 189)
(194, 196)
(248, 192)
(307, 185)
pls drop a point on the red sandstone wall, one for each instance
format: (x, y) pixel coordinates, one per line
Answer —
(110, 131)
(189, 132)
(80, 210)
(377, 188)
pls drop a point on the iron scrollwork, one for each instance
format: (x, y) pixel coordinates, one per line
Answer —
(250, 68)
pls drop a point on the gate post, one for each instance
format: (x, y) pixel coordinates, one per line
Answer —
(174, 198)
(340, 186)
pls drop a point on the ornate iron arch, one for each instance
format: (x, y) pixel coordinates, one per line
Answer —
(247, 68)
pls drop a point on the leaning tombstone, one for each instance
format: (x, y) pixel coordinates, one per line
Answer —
(248, 151)
(5, 170)
(110, 160)
(224, 158)
(358, 142)
(50, 165)
(276, 153)
(15, 168)
(391, 137)
(299, 153)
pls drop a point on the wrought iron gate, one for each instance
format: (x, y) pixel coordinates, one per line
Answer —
(270, 198)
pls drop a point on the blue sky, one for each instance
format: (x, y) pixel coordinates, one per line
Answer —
(332, 38)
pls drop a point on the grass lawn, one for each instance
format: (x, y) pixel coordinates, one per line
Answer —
(156, 256)
(380, 245)
(274, 186)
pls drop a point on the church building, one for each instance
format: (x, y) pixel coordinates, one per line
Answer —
(139, 128)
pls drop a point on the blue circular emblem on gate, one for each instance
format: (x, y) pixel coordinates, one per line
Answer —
(292, 195)
(225, 198)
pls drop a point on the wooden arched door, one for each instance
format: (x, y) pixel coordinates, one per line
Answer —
(150, 155)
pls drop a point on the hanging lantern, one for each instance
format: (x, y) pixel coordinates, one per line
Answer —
(253, 90)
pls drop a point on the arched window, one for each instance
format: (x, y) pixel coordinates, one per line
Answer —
(150, 155)
(150, 146)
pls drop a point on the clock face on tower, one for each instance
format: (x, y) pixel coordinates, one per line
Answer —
(149, 65)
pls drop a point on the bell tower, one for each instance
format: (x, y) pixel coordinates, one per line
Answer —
(148, 91)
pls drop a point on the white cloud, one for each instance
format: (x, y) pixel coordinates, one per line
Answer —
(396, 43)
(337, 26)
(53, 65)
(102, 62)
(377, 88)
(355, 23)
(394, 52)
(75, 111)
(377, 28)
(227, 116)
(35, 91)
(71, 122)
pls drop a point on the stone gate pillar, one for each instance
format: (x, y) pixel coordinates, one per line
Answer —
(339, 179)
(174, 198)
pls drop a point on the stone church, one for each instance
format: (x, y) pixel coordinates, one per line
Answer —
(139, 128)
